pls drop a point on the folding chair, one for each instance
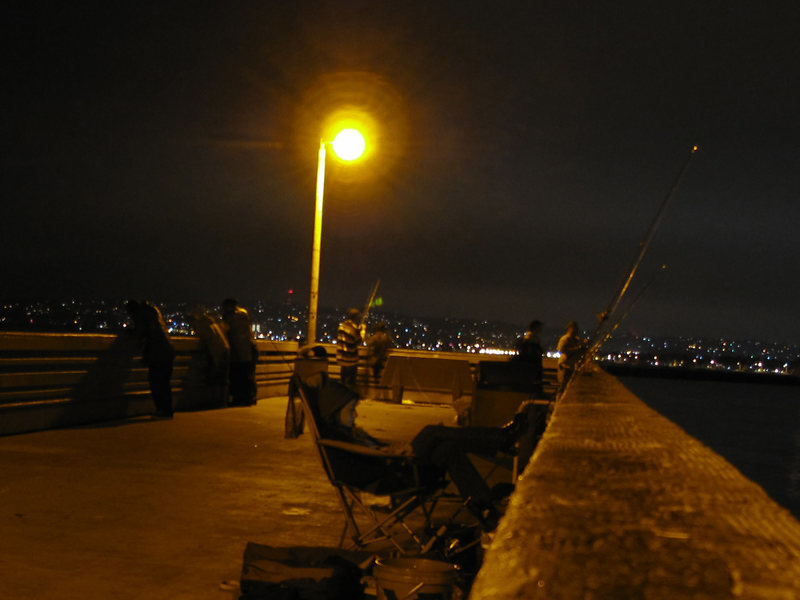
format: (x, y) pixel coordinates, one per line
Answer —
(355, 470)
(304, 367)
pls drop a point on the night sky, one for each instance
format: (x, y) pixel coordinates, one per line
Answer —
(167, 150)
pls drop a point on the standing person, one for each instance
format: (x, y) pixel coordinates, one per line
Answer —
(378, 345)
(529, 352)
(348, 339)
(570, 346)
(157, 353)
(218, 352)
(236, 325)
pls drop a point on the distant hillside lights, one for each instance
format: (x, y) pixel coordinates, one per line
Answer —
(286, 322)
(715, 359)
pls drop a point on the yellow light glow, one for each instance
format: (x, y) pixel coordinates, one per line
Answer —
(349, 144)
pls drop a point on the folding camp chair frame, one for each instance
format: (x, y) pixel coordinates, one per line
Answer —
(403, 502)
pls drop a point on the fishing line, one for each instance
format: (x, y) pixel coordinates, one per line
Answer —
(627, 312)
(607, 317)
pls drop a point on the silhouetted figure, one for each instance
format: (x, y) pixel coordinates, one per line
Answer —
(348, 339)
(529, 352)
(157, 352)
(378, 345)
(570, 347)
(218, 352)
(236, 326)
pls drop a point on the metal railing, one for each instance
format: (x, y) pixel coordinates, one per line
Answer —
(50, 380)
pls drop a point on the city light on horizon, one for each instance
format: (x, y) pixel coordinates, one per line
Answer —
(285, 323)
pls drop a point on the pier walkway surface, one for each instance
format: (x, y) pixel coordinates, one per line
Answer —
(620, 503)
(617, 503)
(139, 509)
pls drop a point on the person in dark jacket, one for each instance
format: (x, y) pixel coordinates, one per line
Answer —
(570, 347)
(241, 372)
(529, 353)
(157, 353)
(217, 352)
(378, 345)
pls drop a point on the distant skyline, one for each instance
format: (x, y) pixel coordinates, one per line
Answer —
(167, 150)
(108, 315)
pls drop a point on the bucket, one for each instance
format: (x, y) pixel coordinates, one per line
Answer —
(413, 578)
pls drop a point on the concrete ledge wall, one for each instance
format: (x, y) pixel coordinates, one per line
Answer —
(50, 380)
(618, 502)
(58, 380)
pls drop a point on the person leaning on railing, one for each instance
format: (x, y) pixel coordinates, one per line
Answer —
(157, 353)
(236, 326)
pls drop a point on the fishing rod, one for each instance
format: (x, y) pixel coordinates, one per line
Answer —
(627, 312)
(607, 315)
(370, 302)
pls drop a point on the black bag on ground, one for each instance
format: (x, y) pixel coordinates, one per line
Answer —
(301, 573)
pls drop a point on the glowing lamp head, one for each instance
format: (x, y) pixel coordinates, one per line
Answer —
(349, 144)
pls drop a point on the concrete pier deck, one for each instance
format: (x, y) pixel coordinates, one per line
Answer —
(163, 509)
(620, 503)
(617, 503)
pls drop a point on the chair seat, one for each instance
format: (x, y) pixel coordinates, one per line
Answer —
(354, 470)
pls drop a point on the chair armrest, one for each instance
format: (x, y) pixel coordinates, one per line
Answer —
(359, 449)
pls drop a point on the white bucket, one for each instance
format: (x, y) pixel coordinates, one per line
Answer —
(408, 578)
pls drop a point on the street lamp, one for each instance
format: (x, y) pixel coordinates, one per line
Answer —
(348, 145)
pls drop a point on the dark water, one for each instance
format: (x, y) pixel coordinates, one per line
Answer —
(756, 427)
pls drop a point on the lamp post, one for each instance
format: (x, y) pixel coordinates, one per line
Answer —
(348, 145)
